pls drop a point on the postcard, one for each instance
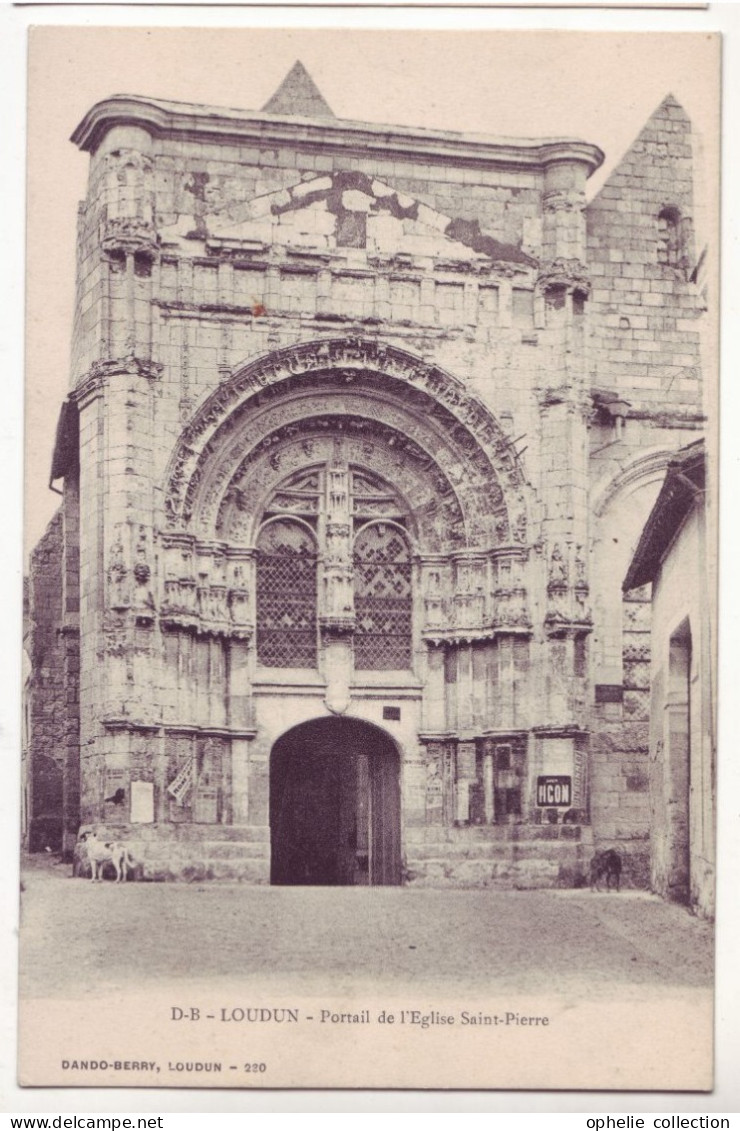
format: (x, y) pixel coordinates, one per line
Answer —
(371, 518)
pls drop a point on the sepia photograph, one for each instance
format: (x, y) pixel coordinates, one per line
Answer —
(370, 596)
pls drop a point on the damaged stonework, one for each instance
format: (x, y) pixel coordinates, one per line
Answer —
(353, 199)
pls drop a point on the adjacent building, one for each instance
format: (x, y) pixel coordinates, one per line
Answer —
(672, 557)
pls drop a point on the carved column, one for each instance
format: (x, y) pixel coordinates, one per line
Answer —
(564, 288)
(337, 614)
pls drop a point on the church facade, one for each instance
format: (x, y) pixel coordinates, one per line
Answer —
(363, 427)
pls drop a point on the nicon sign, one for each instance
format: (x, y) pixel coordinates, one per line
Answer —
(555, 789)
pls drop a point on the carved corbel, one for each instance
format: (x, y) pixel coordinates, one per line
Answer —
(567, 274)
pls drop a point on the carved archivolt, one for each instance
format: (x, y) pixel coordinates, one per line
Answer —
(378, 400)
(433, 504)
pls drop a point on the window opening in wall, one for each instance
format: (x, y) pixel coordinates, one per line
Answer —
(291, 546)
(669, 236)
(382, 571)
(555, 305)
(286, 595)
(142, 265)
(117, 261)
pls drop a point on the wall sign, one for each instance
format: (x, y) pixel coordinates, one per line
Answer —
(142, 802)
(554, 789)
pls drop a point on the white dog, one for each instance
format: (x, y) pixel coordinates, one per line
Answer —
(102, 852)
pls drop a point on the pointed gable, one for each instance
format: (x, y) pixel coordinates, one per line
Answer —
(641, 256)
(298, 95)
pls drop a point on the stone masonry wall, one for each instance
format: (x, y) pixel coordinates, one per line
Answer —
(46, 691)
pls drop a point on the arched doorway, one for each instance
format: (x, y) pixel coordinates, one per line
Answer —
(335, 805)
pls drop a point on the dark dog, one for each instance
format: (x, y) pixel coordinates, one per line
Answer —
(606, 866)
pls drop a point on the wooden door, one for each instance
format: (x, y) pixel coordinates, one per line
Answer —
(385, 819)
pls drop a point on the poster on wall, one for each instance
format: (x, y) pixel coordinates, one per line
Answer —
(371, 617)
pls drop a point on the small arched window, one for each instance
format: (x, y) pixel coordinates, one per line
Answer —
(286, 595)
(669, 236)
(383, 598)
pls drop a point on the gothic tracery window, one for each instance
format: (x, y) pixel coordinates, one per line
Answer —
(317, 519)
(383, 598)
(286, 595)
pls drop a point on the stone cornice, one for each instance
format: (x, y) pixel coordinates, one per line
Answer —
(566, 730)
(438, 638)
(192, 123)
(96, 378)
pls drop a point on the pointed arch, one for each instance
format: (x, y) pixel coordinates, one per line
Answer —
(385, 385)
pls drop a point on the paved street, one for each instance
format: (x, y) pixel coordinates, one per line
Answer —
(82, 938)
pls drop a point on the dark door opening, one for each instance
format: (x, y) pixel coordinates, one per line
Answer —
(335, 805)
(678, 753)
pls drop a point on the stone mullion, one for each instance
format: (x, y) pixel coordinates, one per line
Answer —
(336, 580)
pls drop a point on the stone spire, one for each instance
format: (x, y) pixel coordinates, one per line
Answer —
(298, 95)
